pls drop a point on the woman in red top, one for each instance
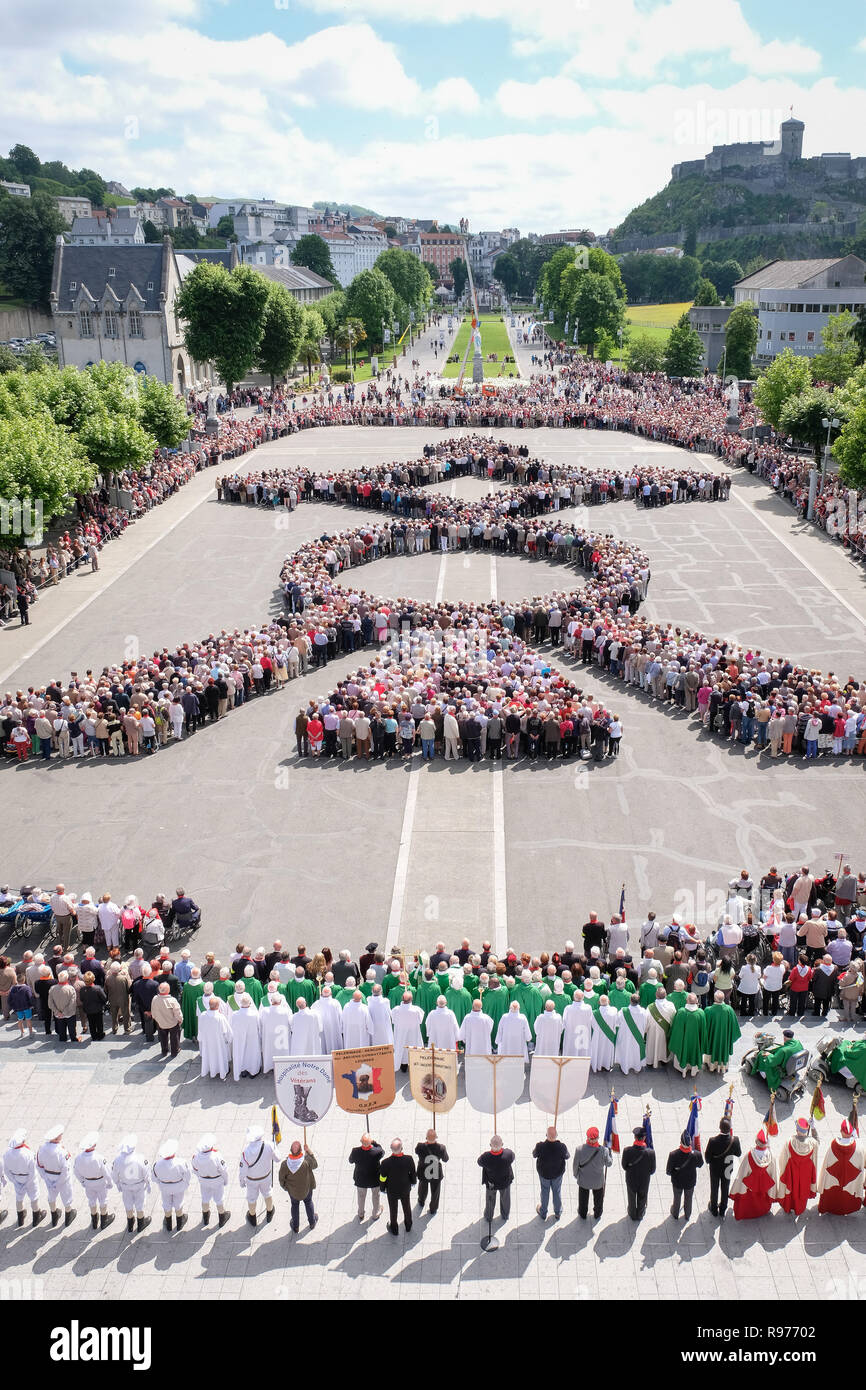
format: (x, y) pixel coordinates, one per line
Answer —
(798, 984)
(315, 732)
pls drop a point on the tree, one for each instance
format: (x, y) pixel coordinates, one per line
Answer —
(859, 333)
(152, 233)
(850, 449)
(690, 241)
(312, 333)
(728, 273)
(840, 351)
(8, 359)
(115, 442)
(507, 272)
(40, 460)
(226, 226)
(161, 412)
(433, 271)
(801, 417)
(281, 332)
(597, 307)
(409, 278)
(645, 353)
(313, 253)
(549, 282)
(705, 294)
(224, 316)
(684, 351)
(741, 339)
(786, 376)
(25, 161)
(370, 298)
(459, 274)
(33, 358)
(349, 335)
(29, 228)
(333, 311)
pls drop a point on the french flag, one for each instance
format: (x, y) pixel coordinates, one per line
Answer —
(611, 1129)
(693, 1128)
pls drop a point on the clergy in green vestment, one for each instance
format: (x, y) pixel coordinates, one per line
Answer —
(390, 981)
(774, 1065)
(395, 995)
(301, 988)
(528, 997)
(443, 977)
(252, 985)
(470, 982)
(224, 987)
(192, 991)
(345, 995)
(367, 987)
(621, 992)
(426, 996)
(494, 1000)
(459, 1000)
(678, 995)
(649, 989)
(722, 1031)
(687, 1037)
(560, 999)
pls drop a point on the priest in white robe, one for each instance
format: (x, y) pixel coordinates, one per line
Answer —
(548, 1031)
(513, 1034)
(602, 1043)
(407, 1019)
(275, 1018)
(215, 1041)
(357, 1029)
(246, 1037)
(306, 1031)
(330, 1015)
(203, 1004)
(381, 1021)
(660, 1016)
(442, 1026)
(577, 1026)
(631, 1037)
(476, 1032)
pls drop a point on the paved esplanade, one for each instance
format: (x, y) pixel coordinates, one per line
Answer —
(347, 853)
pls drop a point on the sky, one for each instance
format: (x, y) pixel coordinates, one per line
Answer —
(540, 116)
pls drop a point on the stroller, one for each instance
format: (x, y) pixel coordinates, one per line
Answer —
(29, 912)
(793, 1082)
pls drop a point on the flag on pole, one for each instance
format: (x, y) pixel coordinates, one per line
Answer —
(853, 1119)
(729, 1108)
(611, 1129)
(816, 1109)
(275, 1126)
(770, 1124)
(693, 1127)
(622, 904)
(647, 1124)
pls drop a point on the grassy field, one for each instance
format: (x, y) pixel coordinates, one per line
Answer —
(653, 321)
(494, 338)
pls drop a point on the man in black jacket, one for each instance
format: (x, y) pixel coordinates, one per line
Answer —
(397, 1178)
(143, 990)
(432, 1157)
(682, 1169)
(722, 1149)
(365, 1160)
(550, 1156)
(638, 1164)
(497, 1175)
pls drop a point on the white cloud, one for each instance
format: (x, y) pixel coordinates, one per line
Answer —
(556, 98)
(455, 94)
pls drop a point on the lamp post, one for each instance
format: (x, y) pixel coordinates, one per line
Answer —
(829, 424)
(619, 335)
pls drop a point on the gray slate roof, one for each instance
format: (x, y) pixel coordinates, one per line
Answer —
(89, 266)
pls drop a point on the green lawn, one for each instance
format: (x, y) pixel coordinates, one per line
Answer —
(494, 338)
(653, 321)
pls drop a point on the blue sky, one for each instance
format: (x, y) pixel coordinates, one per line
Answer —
(539, 116)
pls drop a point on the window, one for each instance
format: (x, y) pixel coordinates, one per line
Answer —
(110, 323)
(111, 272)
(829, 308)
(85, 326)
(73, 285)
(810, 337)
(792, 337)
(150, 284)
(135, 324)
(796, 308)
(769, 334)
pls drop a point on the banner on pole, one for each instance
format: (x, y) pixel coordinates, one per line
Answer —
(433, 1077)
(304, 1087)
(557, 1083)
(493, 1084)
(364, 1078)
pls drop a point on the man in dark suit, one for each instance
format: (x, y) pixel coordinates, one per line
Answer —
(722, 1149)
(682, 1169)
(638, 1164)
(497, 1175)
(397, 1176)
(432, 1158)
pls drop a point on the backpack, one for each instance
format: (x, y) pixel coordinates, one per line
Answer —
(702, 980)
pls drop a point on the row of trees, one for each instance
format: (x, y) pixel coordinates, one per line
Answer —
(584, 288)
(60, 428)
(240, 320)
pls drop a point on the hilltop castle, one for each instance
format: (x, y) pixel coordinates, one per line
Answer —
(771, 159)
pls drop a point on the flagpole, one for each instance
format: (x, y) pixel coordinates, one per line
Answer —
(559, 1065)
(494, 1065)
(433, 1070)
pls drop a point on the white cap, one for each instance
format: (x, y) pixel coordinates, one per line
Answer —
(89, 1141)
(53, 1134)
(168, 1149)
(206, 1143)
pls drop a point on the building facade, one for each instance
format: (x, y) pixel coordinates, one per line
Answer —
(795, 300)
(102, 231)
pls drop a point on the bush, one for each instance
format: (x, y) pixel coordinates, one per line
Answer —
(340, 374)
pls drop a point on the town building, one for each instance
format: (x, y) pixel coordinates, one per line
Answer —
(103, 231)
(71, 207)
(15, 190)
(795, 300)
(709, 322)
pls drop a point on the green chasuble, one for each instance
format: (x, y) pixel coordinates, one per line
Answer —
(530, 1001)
(601, 987)
(224, 988)
(494, 1002)
(773, 1065)
(679, 998)
(301, 989)
(853, 1056)
(620, 997)
(460, 1000)
(648, 992)
(192, 990)
(470, 982)
(569, 987)
(395, 995)
(367, 988)
(722, 1032)
(254, 989)
(686, 1040)
(560, 1002)
(388, 983)
(344, 996)
(443, 980)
